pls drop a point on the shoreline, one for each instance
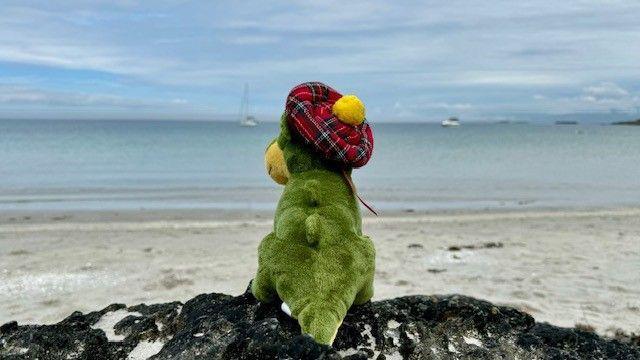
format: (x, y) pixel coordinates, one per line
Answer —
(20, 218)
(566, 267)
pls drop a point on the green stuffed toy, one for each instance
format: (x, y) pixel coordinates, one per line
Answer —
(316, 260)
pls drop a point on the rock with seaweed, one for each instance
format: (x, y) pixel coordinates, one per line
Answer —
(218, 326)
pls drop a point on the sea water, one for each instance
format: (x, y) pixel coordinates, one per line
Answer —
(113, 165)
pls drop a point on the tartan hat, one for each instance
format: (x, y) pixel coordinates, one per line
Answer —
(333, 125)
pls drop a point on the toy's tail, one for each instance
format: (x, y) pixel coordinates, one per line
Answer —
(321, 322)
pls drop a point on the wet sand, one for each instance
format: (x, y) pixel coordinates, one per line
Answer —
(563, 267)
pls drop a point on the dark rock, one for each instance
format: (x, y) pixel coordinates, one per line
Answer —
(627, 338)
(218, 326)
(488, 245)
(436, 271)
(8, 327)
(492, 245)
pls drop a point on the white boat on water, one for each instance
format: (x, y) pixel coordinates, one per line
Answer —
(246, 120)
(452, 121)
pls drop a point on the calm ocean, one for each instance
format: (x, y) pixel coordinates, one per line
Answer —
(111, 165)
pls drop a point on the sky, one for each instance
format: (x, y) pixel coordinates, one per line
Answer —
(407, 60)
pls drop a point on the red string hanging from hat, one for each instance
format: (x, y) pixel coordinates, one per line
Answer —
(347, 177)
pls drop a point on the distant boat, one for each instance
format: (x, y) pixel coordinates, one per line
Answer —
(566, 122)
(246, 119)
(452, 121)
(249, 121)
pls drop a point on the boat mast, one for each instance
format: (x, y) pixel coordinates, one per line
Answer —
(244, 104)
(246, 101)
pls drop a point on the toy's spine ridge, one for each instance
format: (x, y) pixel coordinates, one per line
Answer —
(311, 187)
(313, 229)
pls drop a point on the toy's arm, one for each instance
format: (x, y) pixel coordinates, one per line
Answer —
(262, 287)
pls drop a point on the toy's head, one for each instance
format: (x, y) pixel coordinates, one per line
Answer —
(320, 128)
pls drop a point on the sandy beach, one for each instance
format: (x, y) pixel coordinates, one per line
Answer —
(563, 267)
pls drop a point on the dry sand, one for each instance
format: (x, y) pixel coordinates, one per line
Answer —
(563, 267)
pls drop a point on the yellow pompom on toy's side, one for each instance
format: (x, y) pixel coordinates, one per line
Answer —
(275, 164)
(349, 109)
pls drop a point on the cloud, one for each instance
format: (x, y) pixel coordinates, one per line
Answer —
(18, 95)
(430, 111)
(602, 97)
(606, 90)
(252, 40)
(48, 38)
(179, 101)
(610, 96)
(510, 78)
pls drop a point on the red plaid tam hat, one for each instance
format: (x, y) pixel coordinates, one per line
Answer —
(309, 112)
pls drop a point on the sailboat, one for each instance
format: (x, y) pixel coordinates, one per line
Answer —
(246, 119)
(450, 122)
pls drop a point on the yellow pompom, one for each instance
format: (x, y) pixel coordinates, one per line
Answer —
(275, 164)
(349, 109)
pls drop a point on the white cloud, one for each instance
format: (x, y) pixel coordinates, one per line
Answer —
(252, 40)
(20, 95)
(179, 101)
(602, 97)
(606, 90)
(510, 78)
